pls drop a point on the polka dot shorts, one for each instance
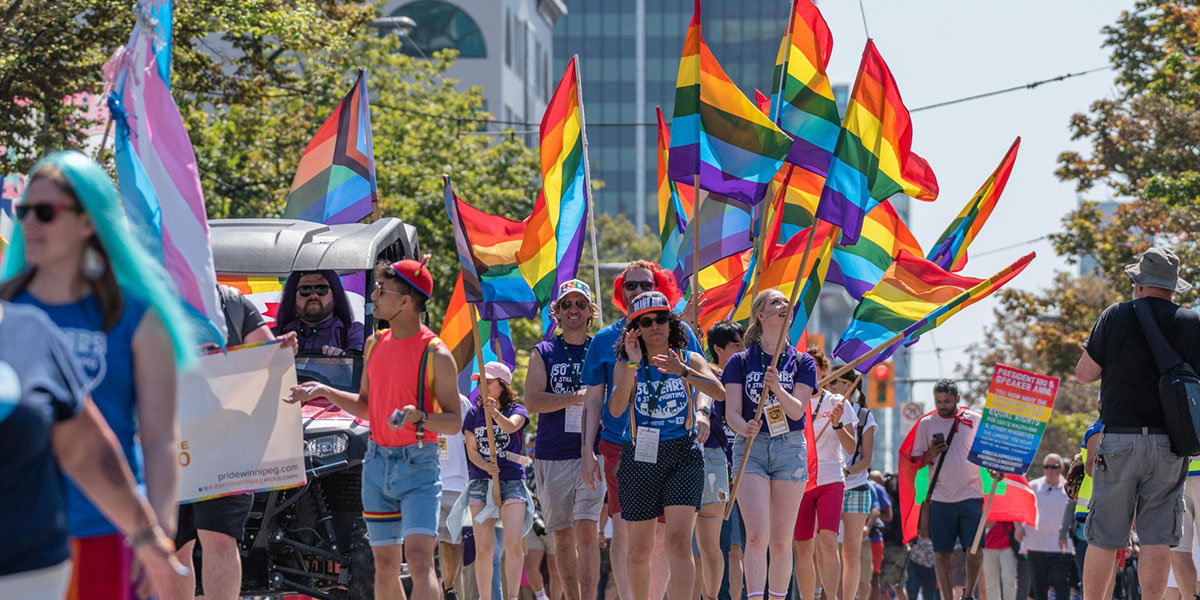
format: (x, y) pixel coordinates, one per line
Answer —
(677, 479)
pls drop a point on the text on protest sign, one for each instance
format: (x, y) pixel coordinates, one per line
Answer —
(1014, 419)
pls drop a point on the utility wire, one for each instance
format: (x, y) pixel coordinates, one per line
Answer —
(1016, 88)
(863, 12)
(1009, 247)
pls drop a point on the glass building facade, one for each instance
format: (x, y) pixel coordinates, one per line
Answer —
(625, 75)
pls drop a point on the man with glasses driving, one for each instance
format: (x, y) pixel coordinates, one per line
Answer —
(315, 306)
(1050, 561)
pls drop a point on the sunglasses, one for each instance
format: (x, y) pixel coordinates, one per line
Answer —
(580, 304)
(639, 285)
(1051, 467)
(308, 290)
(44, 212)
(645, 322)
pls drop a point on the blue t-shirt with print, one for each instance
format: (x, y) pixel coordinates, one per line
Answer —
(748, 367)
(105, 359)
(40, 387)
(598, 368)
(661, 401)
(509, 444)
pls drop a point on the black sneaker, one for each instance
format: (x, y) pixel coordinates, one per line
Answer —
(450, 594)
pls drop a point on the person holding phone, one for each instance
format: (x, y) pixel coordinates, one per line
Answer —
(942, 441)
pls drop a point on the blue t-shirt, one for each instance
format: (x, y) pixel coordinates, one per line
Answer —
(880, 500)
(1095, 428)
(716, 428)
(564, 375)
(661, 402)
(509, 444)
(105, 360)
(39, 387)
(747, 368)
(598, 368)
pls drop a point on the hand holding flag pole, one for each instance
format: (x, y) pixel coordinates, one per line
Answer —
(483, 399)
(853, 386)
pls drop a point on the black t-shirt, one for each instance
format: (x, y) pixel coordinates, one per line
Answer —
(1129, 383)
(241, 316)
(39, 387)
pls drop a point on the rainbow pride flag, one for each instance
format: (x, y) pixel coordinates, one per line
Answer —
(487, 252)
(782, 264)
(157, 173)
(802, 103)
(674, 202)
(553, 242)
(725, 229)
(335, 182)
(806, 303)
(456, 334)
(950, 251)
(717, 133)
(860, 266)
(914, 296)
(873, 159)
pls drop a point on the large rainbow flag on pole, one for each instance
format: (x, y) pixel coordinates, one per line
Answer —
(873, 159)
(674, 206)
(725, 230)
(157, 171)
(802, 103)
(859, 266)
(950, 251)
(553, 242)
(1014, 500)
(716, 132)
(487, 252)
(913, 297)
(335, 182)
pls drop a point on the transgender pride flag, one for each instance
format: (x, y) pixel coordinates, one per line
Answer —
(156, 167)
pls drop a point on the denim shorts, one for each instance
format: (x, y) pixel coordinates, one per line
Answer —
(954, 521)
(401, 492)
(511, 491)
(780, 458)
(716, 477)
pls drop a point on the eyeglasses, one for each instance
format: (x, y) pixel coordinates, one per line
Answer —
(379, 289)
(639, 285)
(1052, 467)
(646, 322)
(580, 304)
(308, 290)
(44, 212)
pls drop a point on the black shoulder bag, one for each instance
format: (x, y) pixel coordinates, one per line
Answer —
(1178, 387)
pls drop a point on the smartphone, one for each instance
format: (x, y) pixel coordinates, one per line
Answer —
(938, 439)
(396, 420)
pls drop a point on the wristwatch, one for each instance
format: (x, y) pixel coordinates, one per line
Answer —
(838, 426)
(705, 410)
(421, 421)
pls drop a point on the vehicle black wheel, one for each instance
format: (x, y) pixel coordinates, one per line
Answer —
(362, 568)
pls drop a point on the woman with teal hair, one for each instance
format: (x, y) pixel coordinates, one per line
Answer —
(74, 257)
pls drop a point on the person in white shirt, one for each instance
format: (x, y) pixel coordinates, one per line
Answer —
(857, 504)
(453, 456)
(942, 441)
(1049, 562)
(820, 516)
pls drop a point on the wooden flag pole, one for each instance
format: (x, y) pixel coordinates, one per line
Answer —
(697, 289)
(779, 342)
(860, 360)
(852, 387)
(483, 397)
(587, 190)
(983, 520)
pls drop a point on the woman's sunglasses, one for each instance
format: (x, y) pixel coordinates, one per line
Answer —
(308, 290)
(44, 212)
(645, 322)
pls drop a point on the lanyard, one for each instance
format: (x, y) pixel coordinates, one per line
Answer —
(655, 393)
(573, 360)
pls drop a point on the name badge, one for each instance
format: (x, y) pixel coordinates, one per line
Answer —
(573, 419)
(776, 419)
(645, 447)
(443, 449)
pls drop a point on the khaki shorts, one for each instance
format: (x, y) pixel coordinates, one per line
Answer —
(1191, 497)
(564, 497)
(448, 500)
(895, 559)
(1136, 474)
(544, 543)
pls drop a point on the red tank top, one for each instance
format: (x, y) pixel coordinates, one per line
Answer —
(400, 374)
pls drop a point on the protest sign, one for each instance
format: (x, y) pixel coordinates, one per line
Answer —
(1014, 419)
(236, 435)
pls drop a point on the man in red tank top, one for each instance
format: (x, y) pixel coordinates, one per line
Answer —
(408, 369)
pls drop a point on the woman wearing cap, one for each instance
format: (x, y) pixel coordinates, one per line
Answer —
(773, 483)
(509, 419)
(74, 257)
(661, 469)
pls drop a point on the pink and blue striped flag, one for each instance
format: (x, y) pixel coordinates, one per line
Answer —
(156, 167)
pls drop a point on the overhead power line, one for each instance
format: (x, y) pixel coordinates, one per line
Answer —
(1016, 88)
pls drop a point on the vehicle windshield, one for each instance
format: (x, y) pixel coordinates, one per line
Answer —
(341, 372)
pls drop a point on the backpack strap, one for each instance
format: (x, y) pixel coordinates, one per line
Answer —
(863, 413)
(1164, 355)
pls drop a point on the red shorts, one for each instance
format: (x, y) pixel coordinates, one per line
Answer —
(612, 455)
(877, 557)
(820, 509)
(100, 569)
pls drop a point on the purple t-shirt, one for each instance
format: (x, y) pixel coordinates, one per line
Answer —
(748, 367)
(716, 427)
(509, 444)
(331, 332)
(564, 369)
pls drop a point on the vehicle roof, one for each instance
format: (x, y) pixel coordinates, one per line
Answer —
(281, 246)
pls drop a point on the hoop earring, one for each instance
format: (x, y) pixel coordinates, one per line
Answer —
(92, 266)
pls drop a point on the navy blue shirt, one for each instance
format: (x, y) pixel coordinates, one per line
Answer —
(508, 444)
(564, 375)
(39, 387)
(748, 367)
